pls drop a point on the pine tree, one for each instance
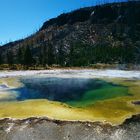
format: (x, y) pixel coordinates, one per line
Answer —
(61, 56)
(43, 55)
(1, 61)
(20, 56)
(28, 59)
(71, 56)
(10, 60)
(51, 54)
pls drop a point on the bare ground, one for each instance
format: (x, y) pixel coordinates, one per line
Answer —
(45, 129)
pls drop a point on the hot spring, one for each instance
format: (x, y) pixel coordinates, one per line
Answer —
(72, 91)
(71, 95)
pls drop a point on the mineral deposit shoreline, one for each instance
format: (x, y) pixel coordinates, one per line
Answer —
(44, 128)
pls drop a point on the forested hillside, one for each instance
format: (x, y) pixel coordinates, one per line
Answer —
(102, 34)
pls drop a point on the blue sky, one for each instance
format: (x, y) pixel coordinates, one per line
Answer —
(20, 18)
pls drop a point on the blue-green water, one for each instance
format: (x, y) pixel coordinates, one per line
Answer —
(73, 91)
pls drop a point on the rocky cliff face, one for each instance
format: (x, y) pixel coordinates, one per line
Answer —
(114, 27)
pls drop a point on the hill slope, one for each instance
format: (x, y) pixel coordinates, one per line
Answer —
(102, 34)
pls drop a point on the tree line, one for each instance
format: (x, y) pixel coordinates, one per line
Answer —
(23, 57)
(79, 54)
